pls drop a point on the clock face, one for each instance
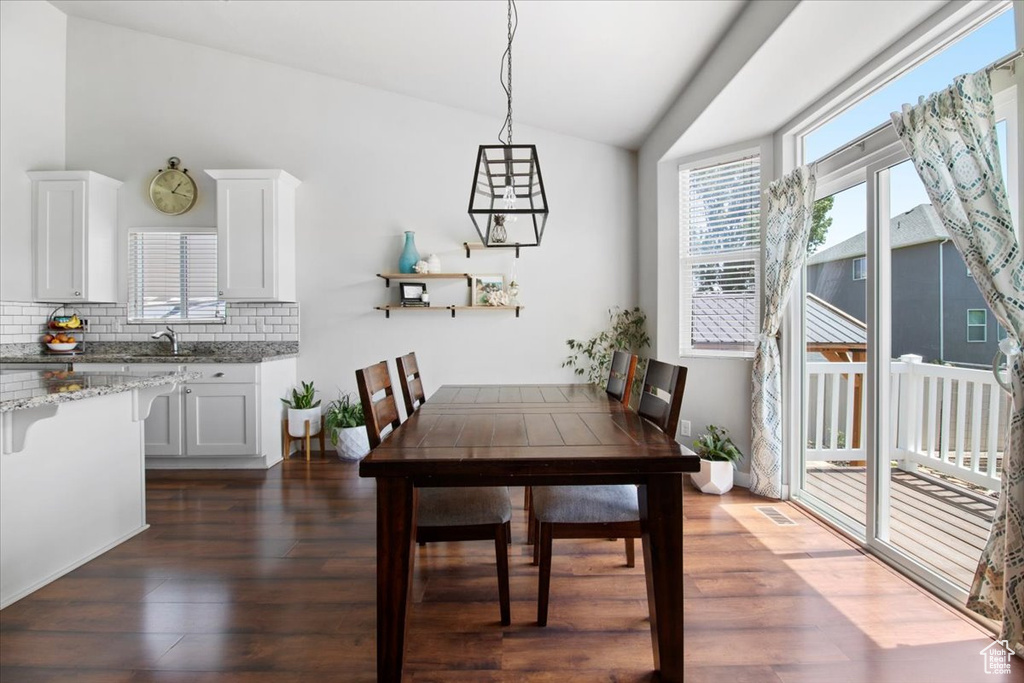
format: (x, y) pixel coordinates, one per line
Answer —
(172, 192)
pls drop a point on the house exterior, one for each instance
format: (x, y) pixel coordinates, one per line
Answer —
(937, 310)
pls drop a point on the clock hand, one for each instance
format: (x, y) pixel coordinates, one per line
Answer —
(175, 190)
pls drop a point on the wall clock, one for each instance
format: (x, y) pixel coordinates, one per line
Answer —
(173, 192)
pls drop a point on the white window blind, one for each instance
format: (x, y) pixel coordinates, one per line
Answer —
(173, 277)
(719, 257)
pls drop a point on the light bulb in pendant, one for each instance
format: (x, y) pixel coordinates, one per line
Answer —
(509, 198)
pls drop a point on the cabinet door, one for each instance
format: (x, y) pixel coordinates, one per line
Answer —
(60, 240)
(220, 419)
(246, 258)
(163, 426)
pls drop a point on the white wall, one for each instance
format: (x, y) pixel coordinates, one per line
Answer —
(373, 164)
(32, 68)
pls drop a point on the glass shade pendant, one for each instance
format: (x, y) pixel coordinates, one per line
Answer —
(507, 182)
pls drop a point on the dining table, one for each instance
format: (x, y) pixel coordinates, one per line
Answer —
(529, 435)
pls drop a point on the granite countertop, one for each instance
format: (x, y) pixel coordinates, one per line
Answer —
(21, 389)
(157, 352)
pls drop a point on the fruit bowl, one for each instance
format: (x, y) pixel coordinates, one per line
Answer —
(60, 346)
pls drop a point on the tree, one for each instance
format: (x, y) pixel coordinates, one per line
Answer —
(820, 223)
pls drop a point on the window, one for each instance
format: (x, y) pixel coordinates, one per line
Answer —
(719, 257)
(860, 268)
(173, 277)
(977, 325)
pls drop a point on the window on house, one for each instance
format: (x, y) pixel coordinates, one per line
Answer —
(860, 268)
(173, 277)
(977, 325)
(719, 257)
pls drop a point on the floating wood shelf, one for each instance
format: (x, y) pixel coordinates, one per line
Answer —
(387, 309)
(388, 277)
(476, 246)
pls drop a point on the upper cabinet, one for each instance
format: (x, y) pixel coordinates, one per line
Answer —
(255, 234)
(75, 219)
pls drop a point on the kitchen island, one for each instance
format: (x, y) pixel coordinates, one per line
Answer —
(72, 473)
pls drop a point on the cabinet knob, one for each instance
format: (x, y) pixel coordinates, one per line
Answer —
(77, 293)
(218, 374)
(220, 292)
(188, 391)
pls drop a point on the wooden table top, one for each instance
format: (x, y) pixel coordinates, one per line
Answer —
(525, 430)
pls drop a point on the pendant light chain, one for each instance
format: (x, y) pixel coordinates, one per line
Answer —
(506, 76)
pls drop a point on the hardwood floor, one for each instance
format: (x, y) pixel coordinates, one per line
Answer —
(268, 577)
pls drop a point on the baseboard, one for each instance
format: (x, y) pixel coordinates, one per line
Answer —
(71, 567)
(741, 479)
(217, 463)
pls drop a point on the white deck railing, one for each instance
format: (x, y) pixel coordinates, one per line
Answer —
(952, 420)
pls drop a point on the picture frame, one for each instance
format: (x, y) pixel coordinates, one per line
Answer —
(484, 285)
(412, 293)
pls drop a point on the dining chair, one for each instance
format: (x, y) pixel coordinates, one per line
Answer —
(412, 384)
(474, 513)
(609, 511)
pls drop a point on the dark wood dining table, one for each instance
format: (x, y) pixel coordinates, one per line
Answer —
(546, 434)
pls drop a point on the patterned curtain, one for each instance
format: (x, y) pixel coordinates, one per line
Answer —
(952, 140)
(790, 208)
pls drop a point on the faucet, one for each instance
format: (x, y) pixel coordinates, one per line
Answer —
(169, 333)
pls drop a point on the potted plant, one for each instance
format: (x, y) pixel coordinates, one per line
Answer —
(592, 359)
(302, 408)
(345, 422)
(718, 456)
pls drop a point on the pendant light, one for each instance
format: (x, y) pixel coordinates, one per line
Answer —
(507, 202)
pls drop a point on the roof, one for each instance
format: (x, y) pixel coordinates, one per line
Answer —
(727, 318)
(920, 225)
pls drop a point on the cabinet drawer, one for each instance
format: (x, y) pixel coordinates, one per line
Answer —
(218, 373)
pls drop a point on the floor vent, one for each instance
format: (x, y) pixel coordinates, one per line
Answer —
(773, 514)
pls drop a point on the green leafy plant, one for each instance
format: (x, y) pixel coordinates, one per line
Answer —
(716, 445)
(342, 413)
(302, 400)
(592, 358)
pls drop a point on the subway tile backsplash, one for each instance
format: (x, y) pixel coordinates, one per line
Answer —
(22, 323)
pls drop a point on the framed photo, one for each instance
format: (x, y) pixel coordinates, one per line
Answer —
(412, 293)
(483, 285)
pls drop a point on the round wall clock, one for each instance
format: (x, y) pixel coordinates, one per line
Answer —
(173, 192)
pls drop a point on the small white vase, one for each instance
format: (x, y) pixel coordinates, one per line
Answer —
(434, 263)
(297, 421)
(353, 443)
(715, 476)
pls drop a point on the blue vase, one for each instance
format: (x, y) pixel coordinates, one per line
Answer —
(409, 256)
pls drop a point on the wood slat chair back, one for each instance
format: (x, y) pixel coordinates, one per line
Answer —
(662, 395)
(620, 376)
(412, 383)
(384, 411)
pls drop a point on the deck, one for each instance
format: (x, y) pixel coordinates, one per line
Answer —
(939, 524)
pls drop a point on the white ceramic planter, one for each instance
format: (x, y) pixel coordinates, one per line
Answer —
(353, 443)
(715, 476)
(297, 421)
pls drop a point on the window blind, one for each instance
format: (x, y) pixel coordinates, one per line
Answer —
(720, 256)
(173, 277)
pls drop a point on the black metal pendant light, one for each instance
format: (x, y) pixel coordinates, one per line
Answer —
(507, 202)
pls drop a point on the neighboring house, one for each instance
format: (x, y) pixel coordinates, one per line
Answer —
(937, 311)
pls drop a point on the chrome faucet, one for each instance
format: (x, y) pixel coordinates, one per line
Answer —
(169, 333)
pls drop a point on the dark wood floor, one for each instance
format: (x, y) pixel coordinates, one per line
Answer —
(269, 577)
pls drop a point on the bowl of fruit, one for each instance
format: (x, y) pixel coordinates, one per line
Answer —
(60, 342)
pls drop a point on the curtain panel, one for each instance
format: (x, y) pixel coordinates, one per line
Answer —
(790, 209)
(951, 139)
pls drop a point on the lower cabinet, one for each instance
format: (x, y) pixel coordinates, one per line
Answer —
(163, 426)
(220, 419)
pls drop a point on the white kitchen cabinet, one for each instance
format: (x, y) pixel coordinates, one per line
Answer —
(164, 426)
(255, 234)
(220, 419)
(74, 217)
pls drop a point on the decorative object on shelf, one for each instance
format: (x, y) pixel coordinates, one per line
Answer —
(484, 286)
(507, 182)
(345, 422)
(172, 190)
(592, 358)
(65, 332)
(718, 457)
(498, 298)
(412, 294)
(421, 267)
(407, 261)
(303, 412)
(513, 284)
(434, 264)
(425, 298)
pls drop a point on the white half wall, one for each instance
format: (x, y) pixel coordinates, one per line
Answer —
(372, 164)
(33, 60)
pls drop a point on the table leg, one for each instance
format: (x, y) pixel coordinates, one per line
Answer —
(396, 524)
(661, 518)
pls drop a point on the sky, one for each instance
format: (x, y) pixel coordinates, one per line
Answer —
(975, 51)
